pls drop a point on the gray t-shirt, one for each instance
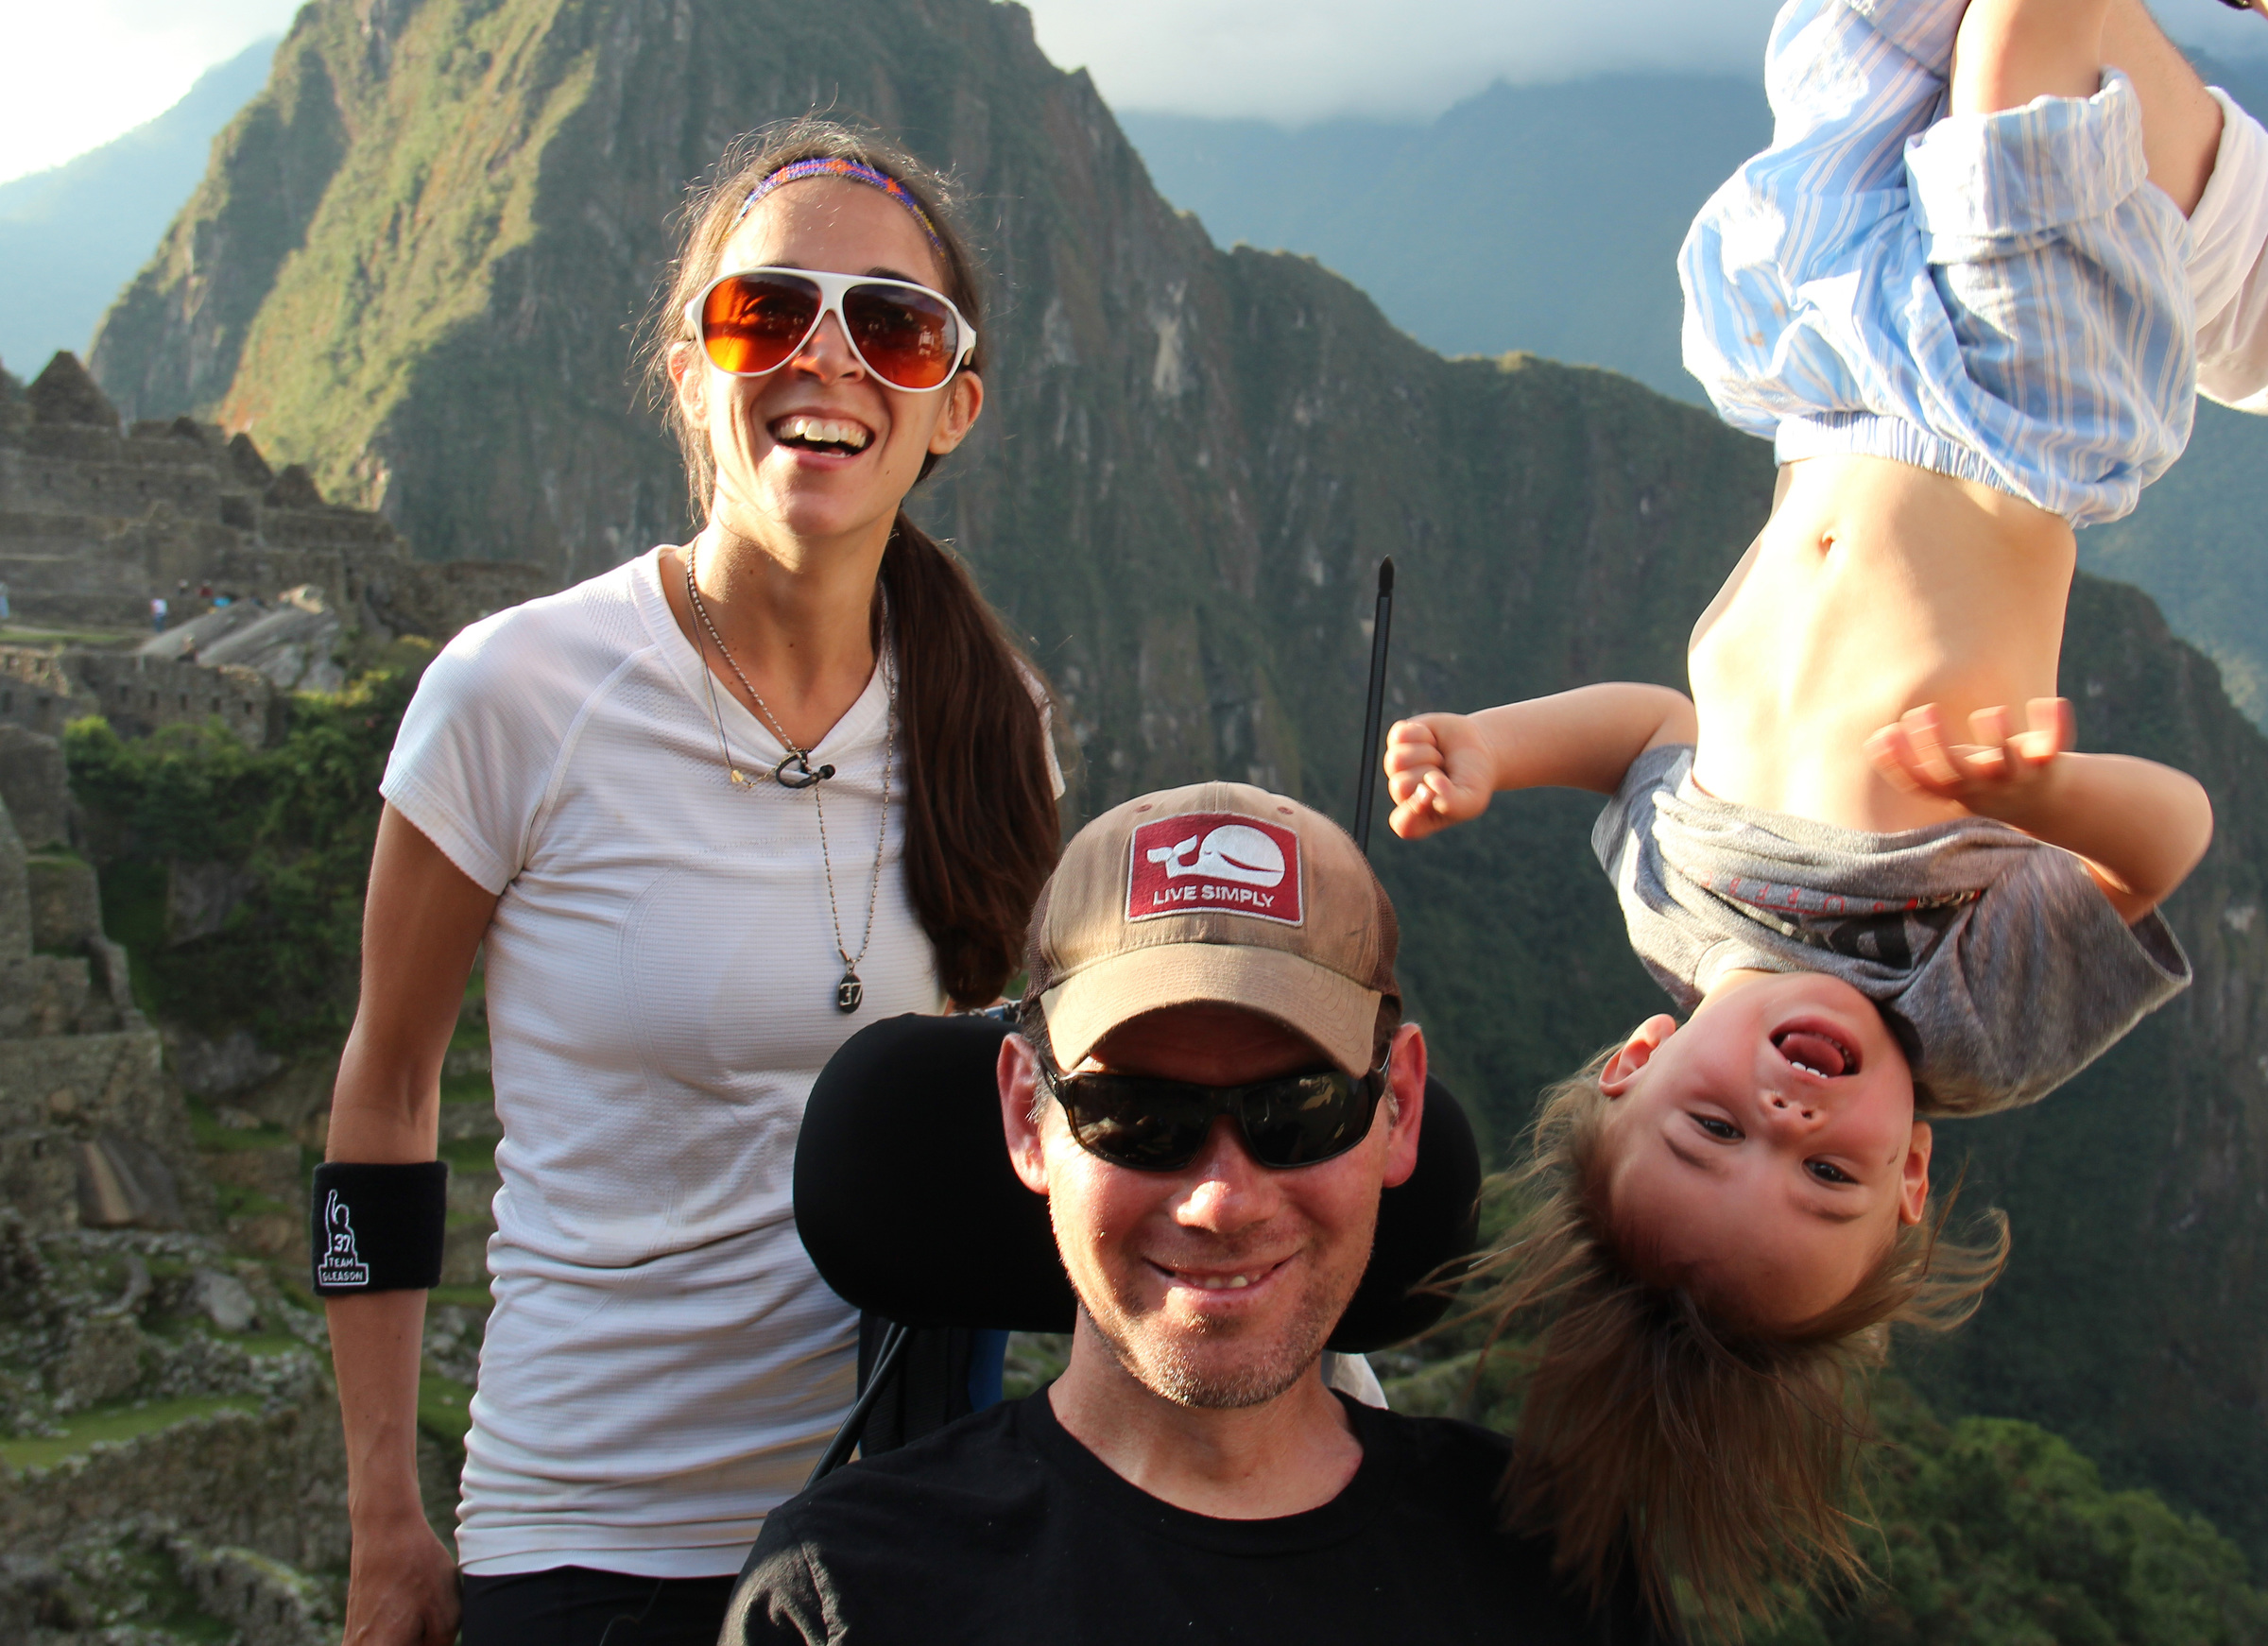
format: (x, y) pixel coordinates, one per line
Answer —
(1996, 960)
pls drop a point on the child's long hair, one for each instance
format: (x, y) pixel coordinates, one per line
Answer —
(1715, 1455)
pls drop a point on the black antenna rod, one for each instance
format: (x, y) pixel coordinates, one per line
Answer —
(1374, 707)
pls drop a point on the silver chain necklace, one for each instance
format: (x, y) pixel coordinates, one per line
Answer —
(849, 992)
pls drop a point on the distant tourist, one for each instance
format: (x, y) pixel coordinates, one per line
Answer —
(156, 610)
(1212, 1095)
(1864, 858)
(706, 815)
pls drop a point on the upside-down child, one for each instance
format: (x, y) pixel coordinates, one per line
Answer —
(1864, 856)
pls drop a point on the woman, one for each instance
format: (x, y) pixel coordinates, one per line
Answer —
(710, 813)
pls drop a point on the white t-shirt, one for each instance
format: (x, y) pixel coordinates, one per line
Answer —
(663, 1365)
(2228, 266)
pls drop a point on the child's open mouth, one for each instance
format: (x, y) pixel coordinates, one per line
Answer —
(838, 435)
(1816, 1052)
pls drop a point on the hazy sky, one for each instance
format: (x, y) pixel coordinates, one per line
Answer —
(77, 72)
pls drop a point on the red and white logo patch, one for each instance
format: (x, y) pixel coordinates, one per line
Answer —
(1214, 862)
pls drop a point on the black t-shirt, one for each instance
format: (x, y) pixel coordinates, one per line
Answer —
(1002, 1527)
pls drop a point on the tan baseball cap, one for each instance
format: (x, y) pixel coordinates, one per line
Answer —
(1216, 894)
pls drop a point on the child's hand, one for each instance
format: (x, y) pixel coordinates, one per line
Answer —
(1439, 771)
(2001, 775)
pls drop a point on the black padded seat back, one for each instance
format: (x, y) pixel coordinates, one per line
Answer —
(909, 1209)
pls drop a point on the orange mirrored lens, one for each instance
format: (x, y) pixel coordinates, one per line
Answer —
(908, 337)
(752, 323)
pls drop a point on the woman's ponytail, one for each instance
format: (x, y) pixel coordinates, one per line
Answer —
(980, 828)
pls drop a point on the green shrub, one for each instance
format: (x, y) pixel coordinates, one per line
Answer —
(1991, 1531)
(298, 820)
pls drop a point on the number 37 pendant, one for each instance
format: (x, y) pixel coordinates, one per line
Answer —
(849, 992)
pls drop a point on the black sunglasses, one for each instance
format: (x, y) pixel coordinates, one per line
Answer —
(1146, 1124)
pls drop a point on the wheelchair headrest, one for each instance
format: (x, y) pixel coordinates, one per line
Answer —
(907, 1204)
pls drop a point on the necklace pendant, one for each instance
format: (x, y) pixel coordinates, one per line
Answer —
(849, 992)
(740, 778)
(801, 778)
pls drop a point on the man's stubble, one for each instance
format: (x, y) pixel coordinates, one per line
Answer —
(1171, 1367)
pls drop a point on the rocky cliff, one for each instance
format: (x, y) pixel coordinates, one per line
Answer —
(171, 1459)
(413, 266)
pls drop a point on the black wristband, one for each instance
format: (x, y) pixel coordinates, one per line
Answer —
(376, 1227)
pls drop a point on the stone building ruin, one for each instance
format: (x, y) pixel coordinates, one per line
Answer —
(89, 1135)
(117, 1297)
(152, 1181)
(96, 520)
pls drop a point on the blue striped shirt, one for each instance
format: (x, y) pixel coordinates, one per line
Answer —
(1997, 297)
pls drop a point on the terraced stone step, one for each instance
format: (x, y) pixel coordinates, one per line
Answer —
(151, 1585)
(272, 1480)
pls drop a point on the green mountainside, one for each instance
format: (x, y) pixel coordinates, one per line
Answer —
(2199, 545)
(413, 264)
(1976, 1531)
(72, 235)
(1989, 1532)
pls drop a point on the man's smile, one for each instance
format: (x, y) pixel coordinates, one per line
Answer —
(1245, 1278)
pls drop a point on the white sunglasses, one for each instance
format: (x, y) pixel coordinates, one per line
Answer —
(753, 321)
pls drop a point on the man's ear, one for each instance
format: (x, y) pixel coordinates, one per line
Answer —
(1406, 1076)
(1636, 1052)
(1913, 1182)
(1018, 1073)
(964, 402)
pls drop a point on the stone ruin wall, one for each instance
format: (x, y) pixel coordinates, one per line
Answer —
(114, 1289)
(97, 519)
(139, 1269)
(139, 1248)
(90, 1136)
(44, 691)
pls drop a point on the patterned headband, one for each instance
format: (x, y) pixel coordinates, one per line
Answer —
(857, 172)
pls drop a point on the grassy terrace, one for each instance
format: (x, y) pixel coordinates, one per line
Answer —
(86, 1430)
(442, 1407)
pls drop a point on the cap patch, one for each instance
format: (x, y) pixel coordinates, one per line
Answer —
(1214, 863)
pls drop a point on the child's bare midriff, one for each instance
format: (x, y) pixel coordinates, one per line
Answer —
(1875, 587)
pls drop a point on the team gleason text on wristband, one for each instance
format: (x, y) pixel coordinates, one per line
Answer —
(377, 1227)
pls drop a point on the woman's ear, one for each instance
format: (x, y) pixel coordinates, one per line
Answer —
(964, 403)
(1636, 1052)
(692, 383)
(1913, 1182)
(1018, 1073)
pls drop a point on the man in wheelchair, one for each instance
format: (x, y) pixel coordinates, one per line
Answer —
(1211, 1086)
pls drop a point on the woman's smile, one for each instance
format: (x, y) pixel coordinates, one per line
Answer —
(821, 434)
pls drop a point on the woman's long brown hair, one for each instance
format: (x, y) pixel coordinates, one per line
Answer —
(982, 830)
